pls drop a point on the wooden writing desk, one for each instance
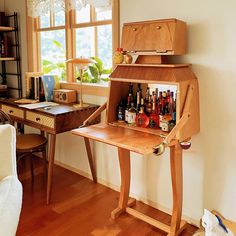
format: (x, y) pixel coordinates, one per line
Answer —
(56, 120)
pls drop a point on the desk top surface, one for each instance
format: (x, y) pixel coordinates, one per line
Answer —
(53, 110)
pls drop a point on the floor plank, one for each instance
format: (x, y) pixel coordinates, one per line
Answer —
(79, 208)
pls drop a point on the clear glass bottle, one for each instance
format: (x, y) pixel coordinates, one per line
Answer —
(142, 119)
(131, 115)
(128, 105)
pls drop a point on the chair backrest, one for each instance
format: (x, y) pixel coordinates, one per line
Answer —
(5, 118)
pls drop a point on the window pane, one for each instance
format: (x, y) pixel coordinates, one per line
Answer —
(59, 18)
(83, 15)
(45, 21)
(85, 42)
(53, 53)
(103, 15)
(105, 45)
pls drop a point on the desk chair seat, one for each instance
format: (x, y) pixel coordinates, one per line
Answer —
(28, 145)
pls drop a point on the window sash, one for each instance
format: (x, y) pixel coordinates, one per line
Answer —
(34, 29)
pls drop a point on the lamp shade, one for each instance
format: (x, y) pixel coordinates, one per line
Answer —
(80, 62)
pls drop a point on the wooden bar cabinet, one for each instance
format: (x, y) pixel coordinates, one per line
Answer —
(149, 70)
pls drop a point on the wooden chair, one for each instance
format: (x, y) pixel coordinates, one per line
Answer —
(28, 144)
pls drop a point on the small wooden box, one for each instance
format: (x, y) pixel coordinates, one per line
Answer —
(164, 37)
(64, 96)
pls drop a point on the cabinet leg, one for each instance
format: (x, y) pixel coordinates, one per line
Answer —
(124, 160)
(177, 187)
(90, 159)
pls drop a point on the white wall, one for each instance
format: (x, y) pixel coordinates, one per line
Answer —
(1, 5)
(210, 164)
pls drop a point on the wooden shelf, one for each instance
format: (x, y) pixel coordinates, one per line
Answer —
(7, 58)
(134, 127)
(6, 28)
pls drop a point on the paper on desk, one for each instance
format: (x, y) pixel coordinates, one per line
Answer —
(39, 105)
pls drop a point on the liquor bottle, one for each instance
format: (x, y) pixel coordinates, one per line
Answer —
(168, 96)
(131, 115)
(171, 103)
(165, 102)
(154, 117)
(127, 108)
(131, 92)
(149, 105)
(147, 95)
(142, 119)
(159, 103)
(138, 100)
(139, 88)
(121, 112)
(157, 94)
(174, 110)
(142, 104)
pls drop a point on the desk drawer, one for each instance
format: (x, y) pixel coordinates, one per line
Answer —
(13, 111)
(40, 119)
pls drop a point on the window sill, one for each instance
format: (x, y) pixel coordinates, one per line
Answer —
(89, 89)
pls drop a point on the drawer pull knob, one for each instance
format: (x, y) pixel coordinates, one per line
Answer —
(10, 111)
(158, 27)
(134, 29)
(37, 119)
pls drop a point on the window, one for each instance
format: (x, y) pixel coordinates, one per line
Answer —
(61, 36)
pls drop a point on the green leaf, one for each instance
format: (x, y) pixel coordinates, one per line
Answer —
(46, 62)
(105, 79)
(93, 70)
(107, 71)
(58, 44)
(98, 63)
(48, 69)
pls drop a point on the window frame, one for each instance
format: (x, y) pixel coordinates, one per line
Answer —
(33, 37)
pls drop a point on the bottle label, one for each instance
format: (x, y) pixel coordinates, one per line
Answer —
(131, 117)
(121, 116)
(152, 123)
(139, 121)
(126, 115)
(164, 126)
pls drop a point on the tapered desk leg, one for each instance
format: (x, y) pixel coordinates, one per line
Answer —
(124, 159)
(90, 159)
(52, 143)
(177, 187)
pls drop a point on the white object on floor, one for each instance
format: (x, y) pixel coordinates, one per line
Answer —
(212, 226)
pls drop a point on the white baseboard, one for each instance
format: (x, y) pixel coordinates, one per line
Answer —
(117, 188)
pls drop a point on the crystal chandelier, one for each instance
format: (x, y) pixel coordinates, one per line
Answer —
(42, 7)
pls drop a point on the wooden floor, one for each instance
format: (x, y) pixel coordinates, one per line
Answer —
(79, 208)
